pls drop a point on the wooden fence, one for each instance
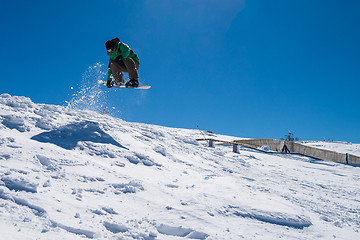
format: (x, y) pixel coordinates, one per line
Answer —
(289, 147)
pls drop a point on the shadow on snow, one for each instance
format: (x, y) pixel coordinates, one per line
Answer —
(69, 135)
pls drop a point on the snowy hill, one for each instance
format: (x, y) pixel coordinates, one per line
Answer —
(67, 174)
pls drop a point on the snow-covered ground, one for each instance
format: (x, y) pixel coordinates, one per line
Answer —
(67, 174)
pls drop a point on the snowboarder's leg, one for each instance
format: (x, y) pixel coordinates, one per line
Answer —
(131, 68)
(117, 70)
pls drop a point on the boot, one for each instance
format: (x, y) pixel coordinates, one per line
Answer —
(132, 83)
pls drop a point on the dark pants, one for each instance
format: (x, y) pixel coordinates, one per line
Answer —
(128, 65)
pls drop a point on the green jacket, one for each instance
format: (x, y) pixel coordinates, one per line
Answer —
(122, 52)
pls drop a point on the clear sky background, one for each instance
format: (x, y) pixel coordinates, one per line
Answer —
(247, 68)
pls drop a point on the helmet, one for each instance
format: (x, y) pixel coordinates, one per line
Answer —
(110, 45)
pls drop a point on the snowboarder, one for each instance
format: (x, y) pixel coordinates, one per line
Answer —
(122, 59)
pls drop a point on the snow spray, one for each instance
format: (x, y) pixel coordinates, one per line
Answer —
(91, 95)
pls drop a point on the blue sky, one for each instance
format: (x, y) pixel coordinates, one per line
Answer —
(246, 68)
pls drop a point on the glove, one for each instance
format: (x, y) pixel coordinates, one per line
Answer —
(109, 84)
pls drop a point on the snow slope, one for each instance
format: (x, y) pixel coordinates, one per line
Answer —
(68, 174)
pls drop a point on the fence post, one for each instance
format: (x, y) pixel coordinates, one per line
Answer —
(211, 143)
(286, 148)
(236, 148)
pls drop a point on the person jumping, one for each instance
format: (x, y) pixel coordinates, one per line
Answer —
(122, 59)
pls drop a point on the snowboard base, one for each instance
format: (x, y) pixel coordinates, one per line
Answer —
(123, 86)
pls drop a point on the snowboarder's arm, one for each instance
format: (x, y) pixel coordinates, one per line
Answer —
(124, 50)
(109, 74)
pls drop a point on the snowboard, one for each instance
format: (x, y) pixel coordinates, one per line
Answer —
(123, 86)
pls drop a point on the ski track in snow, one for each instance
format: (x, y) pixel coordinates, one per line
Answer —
(69, 174)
